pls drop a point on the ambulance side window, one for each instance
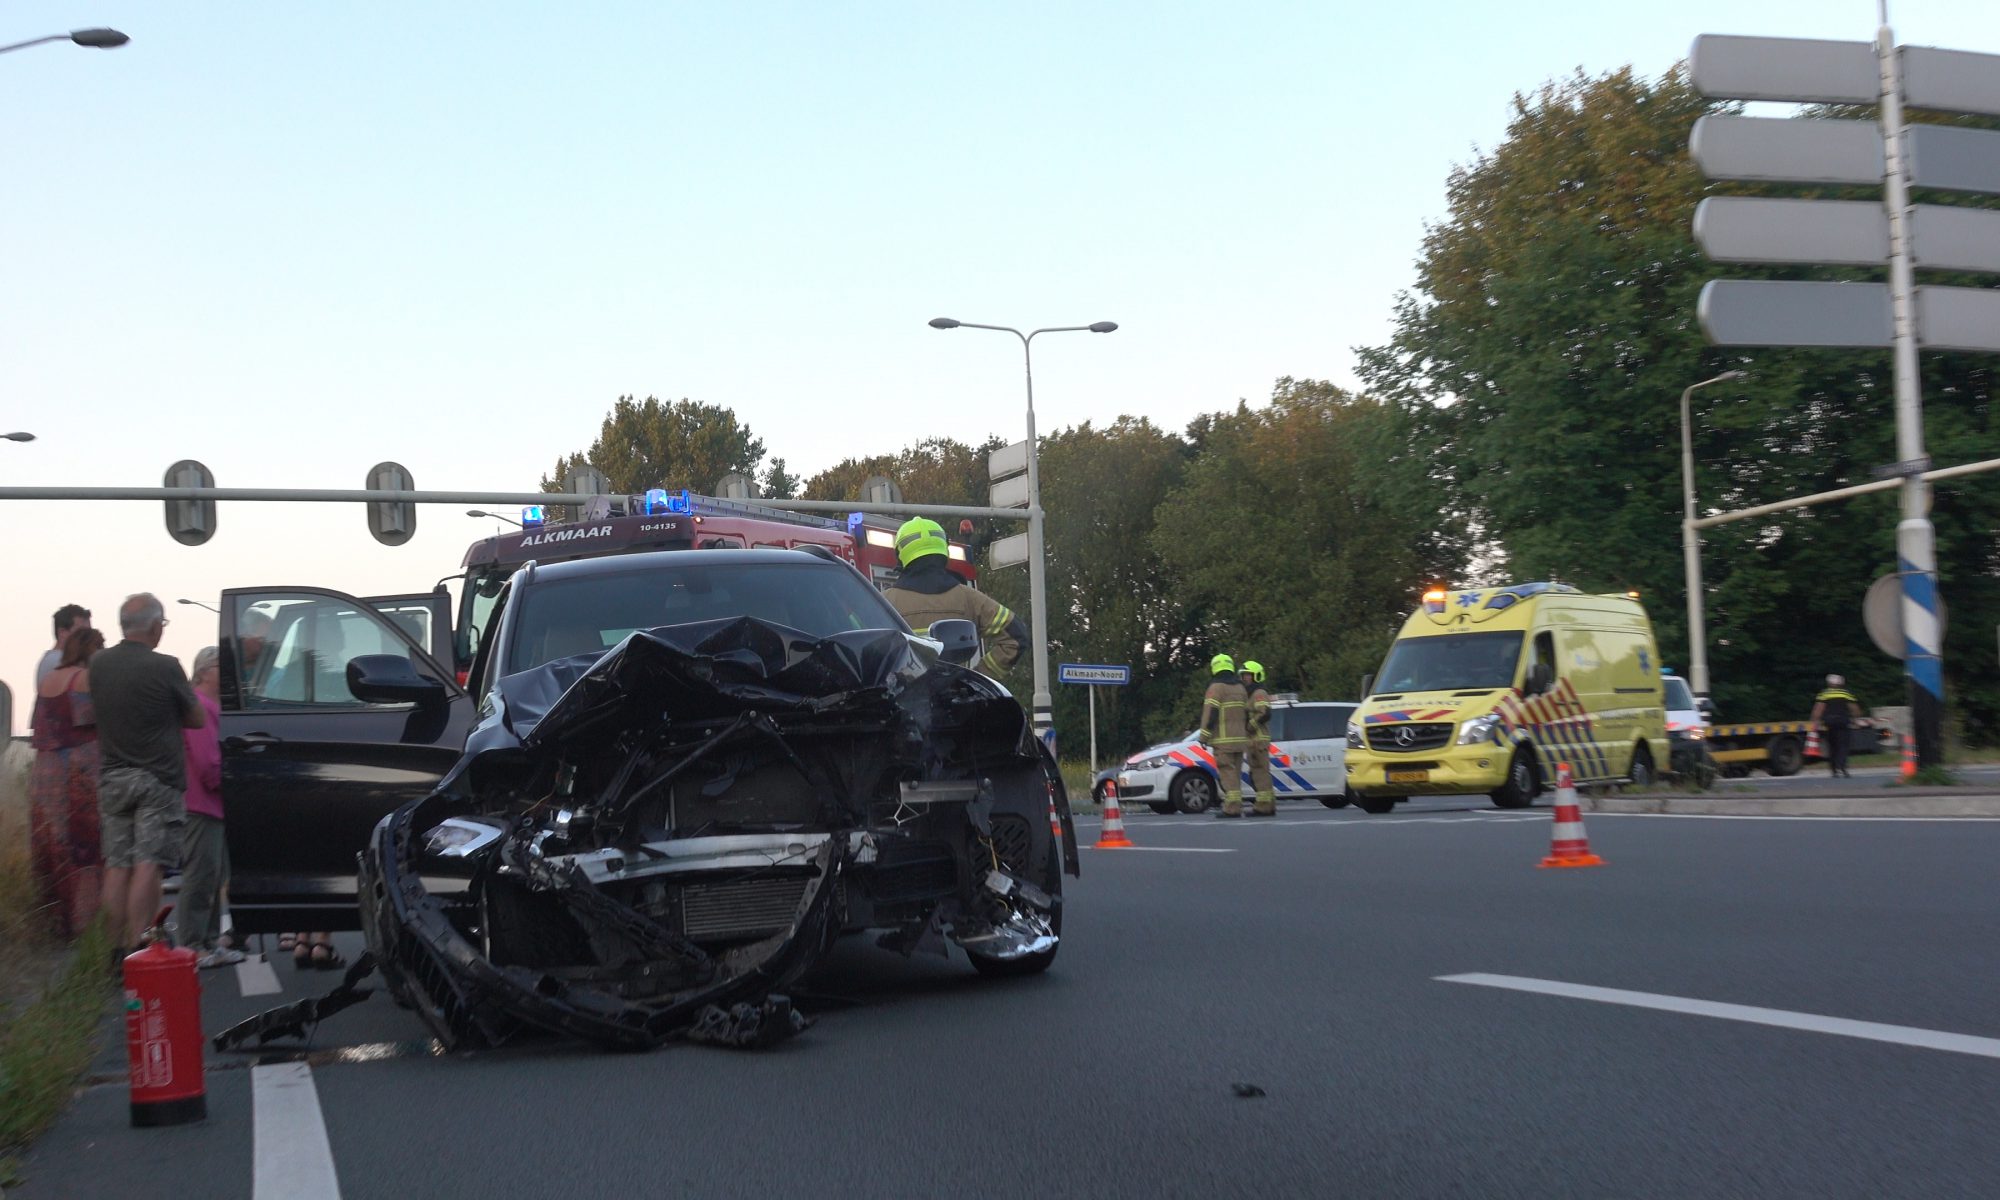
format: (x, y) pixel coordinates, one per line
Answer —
(1545, 654)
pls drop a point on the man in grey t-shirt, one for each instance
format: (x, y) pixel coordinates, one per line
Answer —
(143, 701)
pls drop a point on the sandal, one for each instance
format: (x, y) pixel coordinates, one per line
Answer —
(287, 942)
(302, 954)
(332, 961)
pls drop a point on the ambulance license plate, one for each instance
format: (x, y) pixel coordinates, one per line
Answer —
(1409, 777)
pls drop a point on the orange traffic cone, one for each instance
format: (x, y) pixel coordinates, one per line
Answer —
(1111, 835)
(1813, 748)
(1568, 847)
(1909, 757)
(1055, 820)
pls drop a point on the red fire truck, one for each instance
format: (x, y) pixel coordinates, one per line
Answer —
(663, 520)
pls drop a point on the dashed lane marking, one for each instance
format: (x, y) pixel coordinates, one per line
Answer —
(1173, 849)
(1901, 1035)
(290, 1155)
(256, 978)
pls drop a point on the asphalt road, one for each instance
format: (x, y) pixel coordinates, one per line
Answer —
(1300, 956)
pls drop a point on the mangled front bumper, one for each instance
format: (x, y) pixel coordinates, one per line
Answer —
(650, 843)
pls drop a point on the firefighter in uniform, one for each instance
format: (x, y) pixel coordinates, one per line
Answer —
(926, 591)
(1834, 710)
(1258, 751)
(1225, 730)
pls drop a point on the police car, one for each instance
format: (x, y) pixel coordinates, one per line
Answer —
(1308, 759)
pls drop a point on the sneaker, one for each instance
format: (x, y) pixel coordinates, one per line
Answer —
(220, 957)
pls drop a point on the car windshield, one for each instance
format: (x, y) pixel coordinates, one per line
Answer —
(593, 613)
(1451, 662)
(1679, 698)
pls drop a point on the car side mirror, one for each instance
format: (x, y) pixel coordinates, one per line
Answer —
(1705, 707)
(960, 638)
(390, 679)
(1539, 679)
(1367, 686)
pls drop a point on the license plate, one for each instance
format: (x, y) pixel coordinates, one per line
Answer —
(1409, 776)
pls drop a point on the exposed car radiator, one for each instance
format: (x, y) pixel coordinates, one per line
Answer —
(742, 908)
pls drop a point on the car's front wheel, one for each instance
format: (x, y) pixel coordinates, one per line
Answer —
(1376, 805)
(1163, 807)
(1193, 792)
(1521, 786)
(1341, 801)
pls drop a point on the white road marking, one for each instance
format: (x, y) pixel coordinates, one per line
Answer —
(1789, 817)
(1902, 1035)
(256, 978)
(290, 1155)
(1173, 849)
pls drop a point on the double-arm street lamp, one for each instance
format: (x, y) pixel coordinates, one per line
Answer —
(96, 39)
(1043, 708)
(17, 437)
(1691, 541)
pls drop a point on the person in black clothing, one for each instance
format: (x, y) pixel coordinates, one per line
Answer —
(1835, 710)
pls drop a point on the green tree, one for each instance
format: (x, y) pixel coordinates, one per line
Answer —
(1539, 364)
(648, 444)
(778, 483)
(1301, 534)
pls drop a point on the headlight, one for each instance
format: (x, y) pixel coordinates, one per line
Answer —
(1478, 729)
(1354, 741)
(1148, 764)
(456, 837)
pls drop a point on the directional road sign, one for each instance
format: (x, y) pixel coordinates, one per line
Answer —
(1757, 229)
(1950, 238)
(1960, 160)
(1101, 674)
(1008, 551)
(1011, 493)
(1749, 312)
(1951, 80)
(1007, 460)
(1799, 70)
(1777, 150)
(1952, 318)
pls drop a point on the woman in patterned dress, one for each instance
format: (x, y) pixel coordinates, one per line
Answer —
(63, 791)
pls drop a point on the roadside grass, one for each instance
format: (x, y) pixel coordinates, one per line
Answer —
(51, 997)
(1076, 781)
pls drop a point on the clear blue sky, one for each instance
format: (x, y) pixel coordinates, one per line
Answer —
(293, 240)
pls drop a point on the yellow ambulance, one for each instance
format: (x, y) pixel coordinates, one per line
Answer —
(1486, 689)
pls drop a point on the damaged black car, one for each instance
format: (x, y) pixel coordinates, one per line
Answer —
(691, 774)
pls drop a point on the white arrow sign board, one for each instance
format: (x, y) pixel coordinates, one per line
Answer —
(1750, 312)
(1956, 318)
(1945, 156)
(1951, 80)
(1011, 493)
(1798, 70)
(1951, 238)
(1008, 551)
(1007, 460)
(1772, 149)
(1754, 229)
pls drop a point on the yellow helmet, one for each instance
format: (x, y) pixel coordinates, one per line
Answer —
(1254, 670)
(919, 536)
(1221, 663)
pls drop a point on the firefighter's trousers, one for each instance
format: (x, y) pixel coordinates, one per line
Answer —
(1258, 753)
(1229, 766)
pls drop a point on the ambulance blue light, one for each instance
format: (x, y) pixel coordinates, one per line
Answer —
(533, 516)
(656, 501)
(680, 502)
(855, 521)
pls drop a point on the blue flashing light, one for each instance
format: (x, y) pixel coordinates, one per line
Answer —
(680, 502)
(656, 501)
(533, 516)
(855, 521)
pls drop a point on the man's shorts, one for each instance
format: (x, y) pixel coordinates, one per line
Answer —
(140, 817)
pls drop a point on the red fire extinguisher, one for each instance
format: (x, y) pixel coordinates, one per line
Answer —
(163, 1041)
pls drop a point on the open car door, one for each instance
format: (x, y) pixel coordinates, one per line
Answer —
(308, 767)
(425, 616)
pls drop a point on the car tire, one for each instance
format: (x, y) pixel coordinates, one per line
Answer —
(1784, 755)
(1692, 765)
(1192, 792)
(1374, 804)
(1164, 807)
(1340, 801)
(1641, 774)
(1522, 784)
(1029, 964)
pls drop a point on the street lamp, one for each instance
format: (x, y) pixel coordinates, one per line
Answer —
(480, 512)
(17, 437)
(1043, 709)
(199, 604)
(96, 39)
(1691, 542)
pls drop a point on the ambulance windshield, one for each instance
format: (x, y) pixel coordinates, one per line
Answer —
(1450, 662)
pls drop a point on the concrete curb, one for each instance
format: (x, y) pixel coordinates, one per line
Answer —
(1913, 802)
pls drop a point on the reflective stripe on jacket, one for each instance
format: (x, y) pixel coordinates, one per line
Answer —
(1225, 714)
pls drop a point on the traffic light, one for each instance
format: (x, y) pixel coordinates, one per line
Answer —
(191, 522)
(393, 522)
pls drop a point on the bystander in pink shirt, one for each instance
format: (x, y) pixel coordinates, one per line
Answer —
(204, 761)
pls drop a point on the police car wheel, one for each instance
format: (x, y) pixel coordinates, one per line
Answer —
(1340, 801)
(1192, 792)
(1162, 807)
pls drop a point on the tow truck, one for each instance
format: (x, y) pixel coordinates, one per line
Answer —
(663, 520)
(1778, 747)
